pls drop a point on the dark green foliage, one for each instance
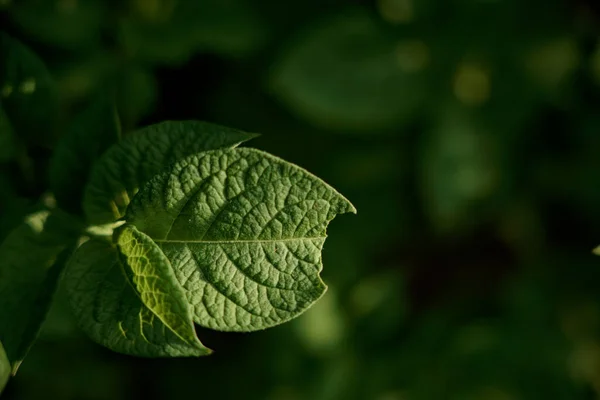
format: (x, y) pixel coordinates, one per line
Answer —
(466, 133)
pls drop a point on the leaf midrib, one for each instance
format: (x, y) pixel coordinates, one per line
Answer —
(240, 241)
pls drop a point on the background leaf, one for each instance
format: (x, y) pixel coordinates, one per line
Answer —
(244, 232)
(171, 31)
(136, 95)
(89, 135)
(28, 92)
(125, 167)
(67, 25)
(31, 259)
(4, 369)
(346, 73)
(7, 139)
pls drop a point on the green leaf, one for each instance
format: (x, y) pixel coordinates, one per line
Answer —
(88, 137)
(461, 171)
(110, 311)
(346, 73)
(171, 32)
(137, 92)
(244, 233)
(125, 167)
(4, 369)
(31, 259)
(154, 280)
(68, 25)
(27, 92)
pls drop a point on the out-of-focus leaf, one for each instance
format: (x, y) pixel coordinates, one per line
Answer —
(88, 137)
(401, 12)
(31, 259)
(551, 64)
(460, 170)
(136, 95)
(7, 138)
(28, 93)
(346, 73)
(153, 279)
(69, 24)
(13, 206)
(84, 76)
(322, 328)
(379, 305)
(168, 31)
(4, 368)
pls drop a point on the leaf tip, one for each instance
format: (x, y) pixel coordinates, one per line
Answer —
(596, 251)
(353, 209)
(253, 135)
(346, 207)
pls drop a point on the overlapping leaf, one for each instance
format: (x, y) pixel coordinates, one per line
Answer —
(111, 311)
(154, 280)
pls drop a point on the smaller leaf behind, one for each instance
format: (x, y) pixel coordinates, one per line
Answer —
(153, 279)
(126, 166)
(88, 137)
(31, 259)
(111, 313)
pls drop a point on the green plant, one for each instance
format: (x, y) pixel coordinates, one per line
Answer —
(169, 226)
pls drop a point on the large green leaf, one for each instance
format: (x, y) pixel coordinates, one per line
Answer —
(244, 232)
(346, 73)
(125, 167)
(28, 93)
(111, 312)
(88, 137)
(31, 259)
(4, 368)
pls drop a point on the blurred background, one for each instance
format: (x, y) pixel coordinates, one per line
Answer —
(466, 133)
